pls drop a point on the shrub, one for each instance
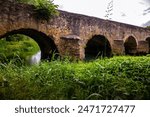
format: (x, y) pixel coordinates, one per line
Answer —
(148, 27)
(44, 9)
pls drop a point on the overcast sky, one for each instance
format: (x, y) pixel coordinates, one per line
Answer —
(136, 12)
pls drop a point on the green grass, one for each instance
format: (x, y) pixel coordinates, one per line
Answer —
(17, 45)
(114, 78)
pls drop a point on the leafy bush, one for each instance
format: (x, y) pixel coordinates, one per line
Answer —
(44, 9)
(148, 27)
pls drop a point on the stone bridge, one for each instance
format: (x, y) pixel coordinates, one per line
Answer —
(72, 34)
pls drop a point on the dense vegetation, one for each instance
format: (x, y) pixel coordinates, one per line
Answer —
(17, 46)
(114, 78)
(148, 27)
(44, 9)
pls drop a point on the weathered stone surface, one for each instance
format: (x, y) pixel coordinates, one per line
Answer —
(118, 47)
(143, 47)
(71, 45)
(68, 32)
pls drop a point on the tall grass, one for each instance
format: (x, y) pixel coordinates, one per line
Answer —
(114, 78)
(17, 46)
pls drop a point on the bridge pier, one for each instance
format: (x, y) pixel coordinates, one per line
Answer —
(72, 46)
(143, 48)
(118, 47)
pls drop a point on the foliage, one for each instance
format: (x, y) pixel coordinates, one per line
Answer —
(45, 9)
(114, 78)
(148, 27)
(17, 47)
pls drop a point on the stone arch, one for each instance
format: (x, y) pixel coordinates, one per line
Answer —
(148, 41)
(98, 46)
(46, 43)
(130, 45)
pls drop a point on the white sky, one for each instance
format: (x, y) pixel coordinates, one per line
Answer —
(126, 11)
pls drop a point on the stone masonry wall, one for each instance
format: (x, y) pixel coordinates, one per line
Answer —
(70, 32)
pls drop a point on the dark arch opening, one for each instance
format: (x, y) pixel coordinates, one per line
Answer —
(46, 43)
(148, 40)
(130, 46)
(98, 46)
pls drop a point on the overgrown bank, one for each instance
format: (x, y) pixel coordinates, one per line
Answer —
(14, 46)
(115, 78)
